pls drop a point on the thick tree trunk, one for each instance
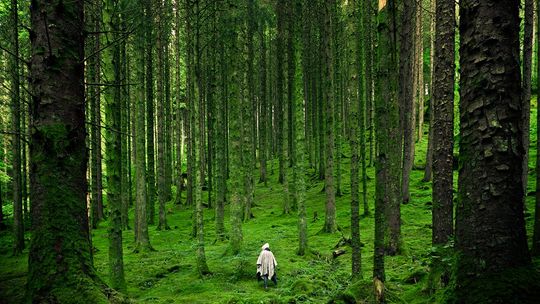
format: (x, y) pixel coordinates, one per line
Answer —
(60, 267)
(490, 226)
(443, 122)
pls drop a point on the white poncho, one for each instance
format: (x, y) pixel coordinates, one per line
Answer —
(266, 263)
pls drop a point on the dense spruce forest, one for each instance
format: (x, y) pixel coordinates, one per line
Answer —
(386, 150)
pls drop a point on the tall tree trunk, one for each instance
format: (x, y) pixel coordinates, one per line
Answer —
(248, 113)
(536, 233)
(443, 122)
(18, 221)
(278, 116)
(419, 42)
(150, 157)
(490, 226)
(358, 129)
(263, 119)
(196, 111)
(113, 146)
(94, 72)
(179, 101)
(330, 225)
(406, 93)
(161, 114)
(526, 90)
(429, 153)
(388, 164)
(123, 107)
(60, 267)
(221, 143)
(142, 238)
(237, 193)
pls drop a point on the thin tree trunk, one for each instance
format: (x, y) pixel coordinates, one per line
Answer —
(161, 113)
(142, 238)
(407, 93)
(18, 220)
(327, 8)
(150, 156)
(536, 233)
(526, 91)
(263, 120)
(429, 153)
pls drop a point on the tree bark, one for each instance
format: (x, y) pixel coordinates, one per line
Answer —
(60, 266)
(490, 226)
(406, 93)
(526, 90)
(150, 155)
(161, 114)
(388, 164)
(330, 225)
(113, 145)
(142, 238)
(536, 233)
(18, 221)
(443, 122)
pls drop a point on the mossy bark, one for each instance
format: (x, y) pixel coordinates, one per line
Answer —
(327, 8)
(150, 155)
(113, 144)
(388, 162)
(264, 113)
(161, 121)
(236, 166)
(142, 238)
(526, 90)
(406, 93)
(490, 226)
(248, 113)
(60, 267)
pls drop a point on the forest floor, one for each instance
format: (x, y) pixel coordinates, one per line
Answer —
(169, 274)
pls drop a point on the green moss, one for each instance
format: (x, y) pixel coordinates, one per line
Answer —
(314, 278)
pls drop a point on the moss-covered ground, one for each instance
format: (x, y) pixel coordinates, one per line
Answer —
(169, 275)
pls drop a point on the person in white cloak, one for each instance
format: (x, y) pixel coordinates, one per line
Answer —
(266, 266)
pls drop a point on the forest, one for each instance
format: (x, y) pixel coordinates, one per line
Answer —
(382, 151)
